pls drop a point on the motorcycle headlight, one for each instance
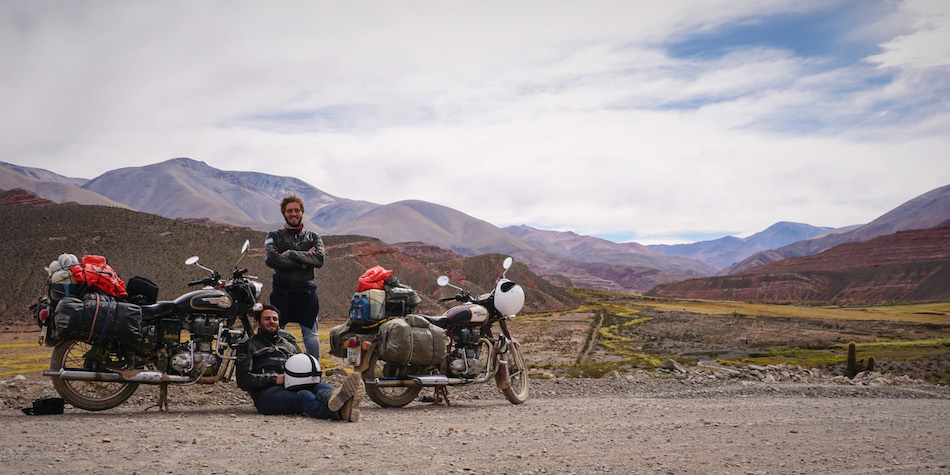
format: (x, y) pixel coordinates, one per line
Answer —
(256, 288)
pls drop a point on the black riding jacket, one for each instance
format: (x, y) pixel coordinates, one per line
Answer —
(295, 269)
(260, 359)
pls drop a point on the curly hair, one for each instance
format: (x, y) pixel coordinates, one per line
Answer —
(291, 198)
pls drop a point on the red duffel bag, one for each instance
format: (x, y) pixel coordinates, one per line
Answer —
(373, 279)
(97, 275)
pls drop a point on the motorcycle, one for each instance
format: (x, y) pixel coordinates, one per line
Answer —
(472, 353)
(189, 340)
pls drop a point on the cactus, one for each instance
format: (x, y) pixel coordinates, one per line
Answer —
(851, 369)
(855, 366)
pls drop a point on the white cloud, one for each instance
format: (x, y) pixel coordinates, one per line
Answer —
(927, 45)
(552, 114)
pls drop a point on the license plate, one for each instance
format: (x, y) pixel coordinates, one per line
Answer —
(353, 356)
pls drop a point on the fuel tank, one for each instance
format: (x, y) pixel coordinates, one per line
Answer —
(204, 300)
(467, 314)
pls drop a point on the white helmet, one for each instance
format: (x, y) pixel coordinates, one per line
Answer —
(509, 297)
(301, 371)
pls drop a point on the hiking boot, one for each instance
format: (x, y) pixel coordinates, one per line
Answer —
(351, 389)
(349, 411)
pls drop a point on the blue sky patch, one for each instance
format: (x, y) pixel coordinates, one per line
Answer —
(826, 33)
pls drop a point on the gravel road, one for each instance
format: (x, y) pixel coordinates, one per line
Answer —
(645, 423)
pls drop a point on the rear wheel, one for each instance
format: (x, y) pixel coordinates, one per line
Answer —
(517, 390)
(387, 396)
(73, 355)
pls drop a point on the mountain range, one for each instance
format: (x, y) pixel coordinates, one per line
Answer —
(924, 211)
(728, 250)
(906, 266)
(186, 188)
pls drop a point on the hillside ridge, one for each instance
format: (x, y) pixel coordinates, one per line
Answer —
(142, 244)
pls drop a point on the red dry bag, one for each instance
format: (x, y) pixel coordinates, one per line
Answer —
(95, 273)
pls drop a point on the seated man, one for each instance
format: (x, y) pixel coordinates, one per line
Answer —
(260, 372)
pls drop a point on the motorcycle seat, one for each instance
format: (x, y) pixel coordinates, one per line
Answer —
(158, 309)
(441, 321)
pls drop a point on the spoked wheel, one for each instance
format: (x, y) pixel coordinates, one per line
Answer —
(89, 395)
(517, 390)
(388, 396)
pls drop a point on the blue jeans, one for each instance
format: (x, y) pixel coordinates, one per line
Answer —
(311, 340)
(300, 306)
(276, 400)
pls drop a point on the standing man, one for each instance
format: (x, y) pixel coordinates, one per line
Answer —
(260, 372)
(294, 252)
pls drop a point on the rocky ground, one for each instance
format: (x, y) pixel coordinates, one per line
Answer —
(779, 419)
(698, 419)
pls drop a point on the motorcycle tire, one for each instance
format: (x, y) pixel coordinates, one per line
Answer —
(88, 395)
(388, 396)
(517, 390)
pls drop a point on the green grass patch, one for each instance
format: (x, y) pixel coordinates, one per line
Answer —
(22, 357)
(933, 313)
(908, 350)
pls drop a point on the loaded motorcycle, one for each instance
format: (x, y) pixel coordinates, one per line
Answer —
(189, 340)
(404, 354)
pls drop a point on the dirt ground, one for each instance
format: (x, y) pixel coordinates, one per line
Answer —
(608, 425)
(708, 420)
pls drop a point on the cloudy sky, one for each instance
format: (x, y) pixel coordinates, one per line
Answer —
(649, 121)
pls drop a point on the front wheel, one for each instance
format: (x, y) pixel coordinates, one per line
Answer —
(517, 390)
(388, 396)
(89, 395)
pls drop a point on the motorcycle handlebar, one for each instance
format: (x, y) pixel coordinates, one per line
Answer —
(207, 281)
(462, 297)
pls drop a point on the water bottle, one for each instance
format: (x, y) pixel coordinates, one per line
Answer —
(356, 310)
(364, 306)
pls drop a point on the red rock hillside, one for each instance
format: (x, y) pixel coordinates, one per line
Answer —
(908, 266)
(21, 197)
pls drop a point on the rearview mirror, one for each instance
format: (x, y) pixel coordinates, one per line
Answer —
(191, 260)
(443, 281)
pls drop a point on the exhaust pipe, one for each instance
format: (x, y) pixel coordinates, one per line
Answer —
(424, 381)
(121, 376)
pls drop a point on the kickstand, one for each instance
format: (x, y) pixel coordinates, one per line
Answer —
(162, 404)
(441, 393)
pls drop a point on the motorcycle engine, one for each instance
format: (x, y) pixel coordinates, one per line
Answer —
(192, 354)
(464, 359)
(202, 328)
(183, 363)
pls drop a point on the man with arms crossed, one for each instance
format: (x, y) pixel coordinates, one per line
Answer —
(294, 252)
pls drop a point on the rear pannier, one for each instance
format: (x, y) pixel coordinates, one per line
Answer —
(97, 318)
(411, 341)
(338, 336)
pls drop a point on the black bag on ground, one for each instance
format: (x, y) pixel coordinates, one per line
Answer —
(142, 291)
(98, 318)
(45, 406)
